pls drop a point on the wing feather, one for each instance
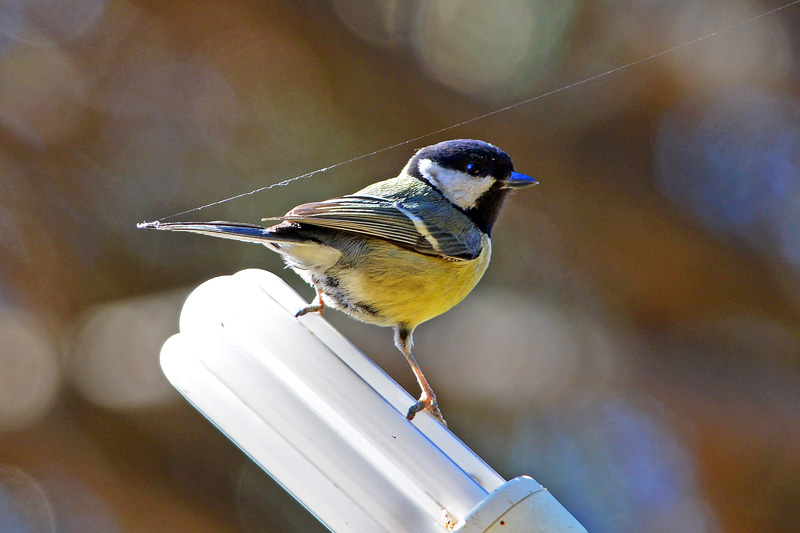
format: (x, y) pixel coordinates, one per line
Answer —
(405, 225)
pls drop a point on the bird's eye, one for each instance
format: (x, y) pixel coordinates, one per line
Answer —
(473, 169)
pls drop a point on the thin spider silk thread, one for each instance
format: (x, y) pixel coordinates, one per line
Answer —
(483, 116)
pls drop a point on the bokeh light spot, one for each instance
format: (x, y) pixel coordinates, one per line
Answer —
(77, 508)
(41, 93)
(30, 376)
(734, 165)
(114, 362)
(24, 506)
(524, 352)
(621, 465)
(479, 48)
(380, 22)
(757, 55)
(63, 20)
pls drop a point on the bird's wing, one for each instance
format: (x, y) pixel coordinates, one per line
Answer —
(409, 226)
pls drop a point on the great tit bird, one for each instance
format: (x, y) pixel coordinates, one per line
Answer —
(398, 252)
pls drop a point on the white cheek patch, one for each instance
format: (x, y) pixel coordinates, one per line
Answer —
(458, 187)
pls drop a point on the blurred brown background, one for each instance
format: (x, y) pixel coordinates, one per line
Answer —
(634, 346)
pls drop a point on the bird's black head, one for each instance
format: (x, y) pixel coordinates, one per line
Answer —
(473, 175)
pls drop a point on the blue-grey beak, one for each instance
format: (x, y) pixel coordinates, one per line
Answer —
(518, 181)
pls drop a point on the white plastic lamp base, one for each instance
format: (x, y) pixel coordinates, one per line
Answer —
(329, 425)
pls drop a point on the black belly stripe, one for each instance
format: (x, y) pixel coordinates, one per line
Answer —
(364, 308)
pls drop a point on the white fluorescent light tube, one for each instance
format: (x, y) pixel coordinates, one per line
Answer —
(328, 424)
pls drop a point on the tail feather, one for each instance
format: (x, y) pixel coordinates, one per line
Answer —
(226, 230)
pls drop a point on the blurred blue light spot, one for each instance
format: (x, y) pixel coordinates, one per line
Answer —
(12, 21)
(10, 521)
(24, 507)
(615, 463)
(734, 165)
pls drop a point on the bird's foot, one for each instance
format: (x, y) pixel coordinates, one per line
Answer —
(428, 403)
(313, 308)
(318, 307)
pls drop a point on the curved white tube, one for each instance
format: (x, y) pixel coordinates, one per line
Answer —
(317, 414)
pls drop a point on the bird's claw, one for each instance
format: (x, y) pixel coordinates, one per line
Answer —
(314, 308)
(428, 403)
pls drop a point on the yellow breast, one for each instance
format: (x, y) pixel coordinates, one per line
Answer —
(407, 287)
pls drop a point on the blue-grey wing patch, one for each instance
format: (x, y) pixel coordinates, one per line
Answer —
(408, 226)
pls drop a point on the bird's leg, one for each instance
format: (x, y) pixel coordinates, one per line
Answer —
(318, 307)
(427, 401)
